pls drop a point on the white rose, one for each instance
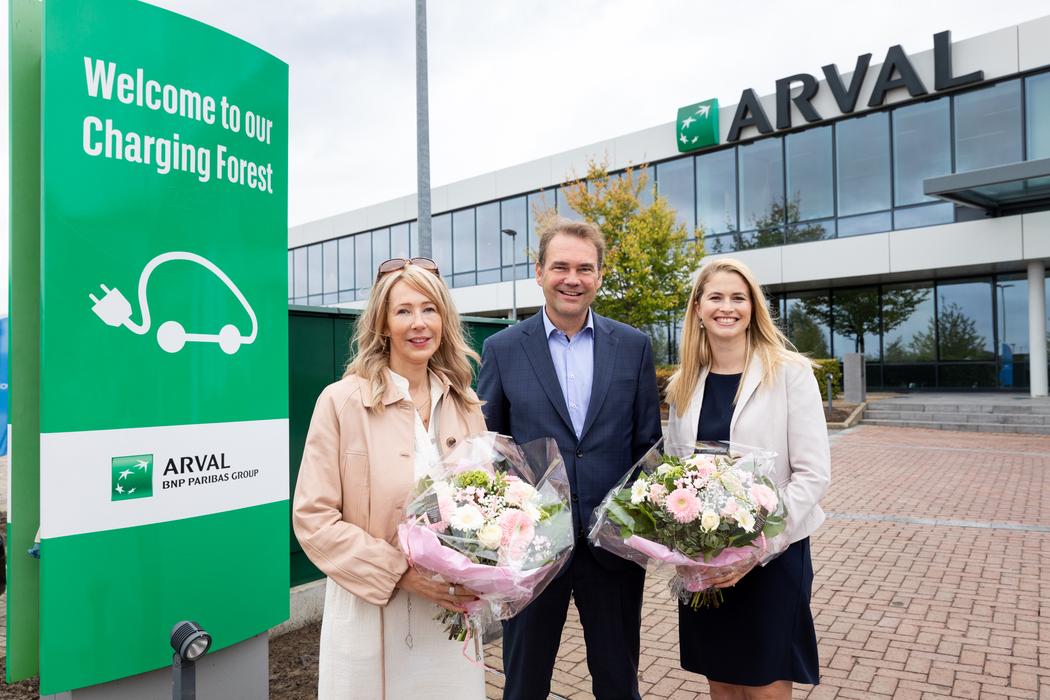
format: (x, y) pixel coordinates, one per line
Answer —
(746, 520)
(467, 518)
(639, 491)
(490, 535)
(709, 520)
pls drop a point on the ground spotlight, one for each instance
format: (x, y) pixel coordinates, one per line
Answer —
(190, 642)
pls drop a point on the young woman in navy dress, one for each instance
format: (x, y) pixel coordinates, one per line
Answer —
(742, 380)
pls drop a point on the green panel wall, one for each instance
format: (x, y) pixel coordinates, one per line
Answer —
(318, 350)
(23, 574)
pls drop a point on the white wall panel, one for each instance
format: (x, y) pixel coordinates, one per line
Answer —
(839, 257)
(956, 245)
(1036, 235)
(1033, 44)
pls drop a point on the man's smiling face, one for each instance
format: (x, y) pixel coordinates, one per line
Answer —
(570, 278)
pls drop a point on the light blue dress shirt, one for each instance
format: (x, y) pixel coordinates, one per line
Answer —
(574, 365)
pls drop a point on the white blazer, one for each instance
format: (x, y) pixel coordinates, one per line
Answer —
(784, 415)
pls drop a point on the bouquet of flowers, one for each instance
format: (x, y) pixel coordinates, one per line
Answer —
(707, 509)
(494, 517)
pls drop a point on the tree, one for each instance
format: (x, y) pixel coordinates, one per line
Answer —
(957, 334)
(805, 333)
(648, 261)
(855, 314)
(779, 226)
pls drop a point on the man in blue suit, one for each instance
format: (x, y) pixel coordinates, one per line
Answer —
(588, 382)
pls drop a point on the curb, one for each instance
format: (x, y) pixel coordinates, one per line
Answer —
(852, 419)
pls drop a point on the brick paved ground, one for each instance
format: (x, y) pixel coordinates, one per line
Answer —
(932, 576)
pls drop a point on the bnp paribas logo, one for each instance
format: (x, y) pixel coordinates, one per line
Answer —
(697, 126)
(132, 477)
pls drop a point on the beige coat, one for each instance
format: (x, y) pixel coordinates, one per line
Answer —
(356, 474)
(785, 416)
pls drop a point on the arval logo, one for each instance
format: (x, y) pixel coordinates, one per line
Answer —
(697, 126)
(132, 477)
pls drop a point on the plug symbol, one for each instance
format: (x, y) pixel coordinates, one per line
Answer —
(115, 310)
(112, 308)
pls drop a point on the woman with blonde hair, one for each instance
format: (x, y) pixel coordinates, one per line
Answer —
(404, 397)
(742, 380)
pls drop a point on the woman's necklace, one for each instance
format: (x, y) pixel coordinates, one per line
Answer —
(423, 408)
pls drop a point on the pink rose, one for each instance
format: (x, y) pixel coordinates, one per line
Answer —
(657, 493)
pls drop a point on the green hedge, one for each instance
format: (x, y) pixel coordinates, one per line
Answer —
(824, 368)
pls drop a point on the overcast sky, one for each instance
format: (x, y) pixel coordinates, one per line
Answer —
(514, 81)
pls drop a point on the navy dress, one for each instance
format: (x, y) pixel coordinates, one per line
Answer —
(763, 630)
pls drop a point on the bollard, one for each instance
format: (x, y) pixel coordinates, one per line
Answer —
(828, 382)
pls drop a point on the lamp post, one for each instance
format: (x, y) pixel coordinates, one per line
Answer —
(513, 272)
(1002, 295)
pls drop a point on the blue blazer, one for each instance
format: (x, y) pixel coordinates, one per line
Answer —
(524, 400)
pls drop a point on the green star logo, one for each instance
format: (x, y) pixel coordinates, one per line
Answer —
(132, 477)
(697, 126)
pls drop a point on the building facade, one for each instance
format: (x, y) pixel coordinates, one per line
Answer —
(899, 209)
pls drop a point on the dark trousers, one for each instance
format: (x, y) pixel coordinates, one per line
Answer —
(610, 607)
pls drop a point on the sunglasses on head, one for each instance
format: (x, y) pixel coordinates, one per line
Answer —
(395, 264)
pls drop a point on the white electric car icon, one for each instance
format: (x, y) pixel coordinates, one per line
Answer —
(115, 310)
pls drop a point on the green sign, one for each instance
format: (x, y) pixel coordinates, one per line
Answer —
(697, 126)
(163, 340)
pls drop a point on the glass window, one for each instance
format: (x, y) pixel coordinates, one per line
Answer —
(1011, 298)
(413, 238)
(346, 269)
(380, 247)
(855, 319)
(805, 319)
(925, 215)
(964, 320)
(716, 191)
(541, 205)
(441, 244)
(1037, 103)
(988, 127)
(866, 223)
(291, 275)
(564, 208)
(909, 376)
(810, 189)
(921, 149)
(363, 254)
(969, 375)
(801, 232)
(762, 185)
(514, 215)
(399, 245)
(314, 272)
(489, 236)
(464, 262)
(330, 288)
(674, 180)
(907, 325)
(645, 195)
(862, 157)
